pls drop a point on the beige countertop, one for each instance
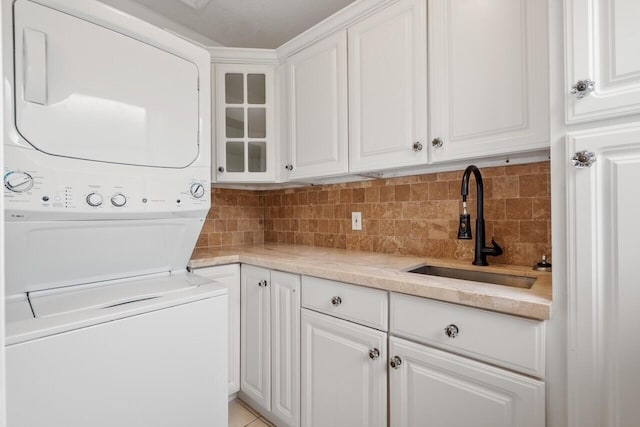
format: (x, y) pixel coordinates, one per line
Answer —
(388, 272)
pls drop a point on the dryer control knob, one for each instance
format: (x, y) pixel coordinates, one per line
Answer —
(18, 182)
(94, 199)
(119, 200)
(197, 190)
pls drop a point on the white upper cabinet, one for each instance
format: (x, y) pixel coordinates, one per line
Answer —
(245, 123)
(387, 88)
(488, 77)
(317, 107)
(602, 46)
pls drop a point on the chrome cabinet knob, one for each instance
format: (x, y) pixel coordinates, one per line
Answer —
(395, 362)
(583, 88)
(374, 353)
(289, 167)
(220, 169)
(437, 143)
(451, 331)
(417, 146)
(336, 301)
(262, 283)
(583, 159)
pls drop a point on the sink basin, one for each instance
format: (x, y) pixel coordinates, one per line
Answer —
(477, 276)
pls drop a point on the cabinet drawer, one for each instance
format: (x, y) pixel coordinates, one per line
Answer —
(500, 339)
(358, 304)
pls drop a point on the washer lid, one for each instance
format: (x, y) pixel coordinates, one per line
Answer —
(112, 294)
(88, 92)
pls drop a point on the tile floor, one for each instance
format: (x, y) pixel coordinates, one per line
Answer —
(240, 415)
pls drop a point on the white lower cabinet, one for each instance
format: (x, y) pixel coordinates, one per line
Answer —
(603, 291)
(433, 388)
(270, 343)
(322, 360)
(344, 379)
(229, 275)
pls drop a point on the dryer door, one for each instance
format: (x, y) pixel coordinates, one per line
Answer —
(87, 92)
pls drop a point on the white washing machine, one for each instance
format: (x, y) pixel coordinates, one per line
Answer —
(107, 166)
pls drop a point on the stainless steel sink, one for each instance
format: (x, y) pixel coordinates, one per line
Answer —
(477, 276)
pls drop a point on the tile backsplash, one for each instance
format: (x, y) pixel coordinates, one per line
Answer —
(236, 217)
(416, 215)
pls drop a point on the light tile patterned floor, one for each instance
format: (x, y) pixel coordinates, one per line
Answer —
(240, 415)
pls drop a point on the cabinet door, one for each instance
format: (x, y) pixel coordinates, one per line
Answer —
(229, 275)
(603, 292)
(602, 45)
(255, 335)
(285, 347)
(317, 94)
(245, 136)
(342, 385)
(488, 77)
(387, 88)
(434, 388)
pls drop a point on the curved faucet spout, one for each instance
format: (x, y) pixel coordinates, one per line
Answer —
(481, 250)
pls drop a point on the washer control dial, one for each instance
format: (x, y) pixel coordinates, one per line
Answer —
(197, 190)
(94, 199)
(119, 200)
(18, 182)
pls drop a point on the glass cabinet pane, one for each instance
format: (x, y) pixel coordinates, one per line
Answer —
(257, 157)
(257, 121)
(235, 156)
(235, 122)
(256, 89)
(234, 88)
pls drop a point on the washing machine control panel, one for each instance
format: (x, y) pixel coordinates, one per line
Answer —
(103, 190)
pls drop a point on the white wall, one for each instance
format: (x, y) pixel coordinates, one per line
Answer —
(2, 391)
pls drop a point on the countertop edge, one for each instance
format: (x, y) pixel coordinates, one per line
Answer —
(514, 302)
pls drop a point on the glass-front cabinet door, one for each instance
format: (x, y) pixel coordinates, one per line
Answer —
(245, 124)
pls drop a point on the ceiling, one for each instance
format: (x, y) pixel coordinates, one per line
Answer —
(245, 23)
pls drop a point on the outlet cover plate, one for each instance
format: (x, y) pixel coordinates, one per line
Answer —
(356, 220)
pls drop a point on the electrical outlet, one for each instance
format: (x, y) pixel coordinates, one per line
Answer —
(356, 220)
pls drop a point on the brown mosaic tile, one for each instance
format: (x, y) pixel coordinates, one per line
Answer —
(415, 215)
(534, 185)
(403, 192)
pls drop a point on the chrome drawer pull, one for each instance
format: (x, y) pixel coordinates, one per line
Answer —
(451, 331)
(336, 301)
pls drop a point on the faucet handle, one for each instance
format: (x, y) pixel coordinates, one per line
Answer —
(496, 250)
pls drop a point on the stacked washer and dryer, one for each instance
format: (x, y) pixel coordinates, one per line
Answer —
(107, 155)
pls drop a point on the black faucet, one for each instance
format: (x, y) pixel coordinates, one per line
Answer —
(464, 230)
